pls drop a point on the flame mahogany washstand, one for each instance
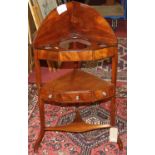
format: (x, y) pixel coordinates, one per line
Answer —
(75, 32)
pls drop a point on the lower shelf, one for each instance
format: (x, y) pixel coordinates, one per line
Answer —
(78, 125)
(77, 87)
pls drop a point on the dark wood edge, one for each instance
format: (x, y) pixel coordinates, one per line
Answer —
(75, 56)
(71, 104)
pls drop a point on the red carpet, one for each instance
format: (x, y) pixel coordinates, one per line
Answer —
(89, 143)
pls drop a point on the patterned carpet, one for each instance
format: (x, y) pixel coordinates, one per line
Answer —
(89, 143)
(102, 68)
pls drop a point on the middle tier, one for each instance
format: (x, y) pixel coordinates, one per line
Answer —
(77, 87)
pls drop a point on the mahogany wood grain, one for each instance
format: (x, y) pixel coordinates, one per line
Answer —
(77, 33)
(77, 87)
(113, 80)
(114, 66)
(78, 21)
(42, 123)
(75, 55)
(78, 125)
(37, 70)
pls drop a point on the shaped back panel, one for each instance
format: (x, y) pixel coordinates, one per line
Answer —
(74, 20)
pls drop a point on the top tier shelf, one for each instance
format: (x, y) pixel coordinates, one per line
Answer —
(73, 27)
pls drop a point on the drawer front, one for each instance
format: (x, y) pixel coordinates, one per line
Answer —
(73, 97)
(78, 96)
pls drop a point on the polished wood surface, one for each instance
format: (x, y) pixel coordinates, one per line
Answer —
(74, 88)
(77, 55)
(75, 32)
(78, 122)
(79, 39)
(77, 21)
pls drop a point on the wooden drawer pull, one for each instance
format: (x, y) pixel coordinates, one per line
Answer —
(104, 93)
(77, 98)
(50, 96)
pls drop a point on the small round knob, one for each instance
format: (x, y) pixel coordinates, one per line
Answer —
(104, 93)
(56, 47)
(50, 96)
(77, 97)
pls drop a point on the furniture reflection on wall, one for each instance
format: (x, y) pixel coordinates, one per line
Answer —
(35, 19)
(84, 36)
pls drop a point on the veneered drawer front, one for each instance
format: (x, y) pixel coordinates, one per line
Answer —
(78, 96)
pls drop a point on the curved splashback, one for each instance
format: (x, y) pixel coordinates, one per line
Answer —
(74, 25)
